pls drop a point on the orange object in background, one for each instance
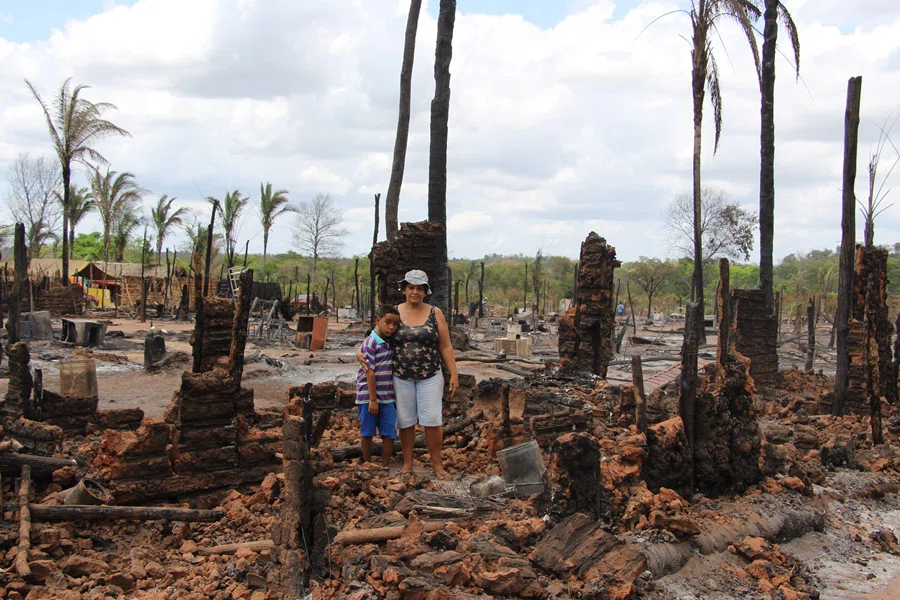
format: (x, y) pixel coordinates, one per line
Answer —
(311, 332)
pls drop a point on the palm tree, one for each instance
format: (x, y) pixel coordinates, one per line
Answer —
(392, 203)
(163, 221)
(75, 125)
(80, 204)
(116, 196)
(705, 16)
(231, 208)
(774, 12)
(271, 206)
(122, 232)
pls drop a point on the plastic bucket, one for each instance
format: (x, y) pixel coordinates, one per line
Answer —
(78, 378)
(522, 463)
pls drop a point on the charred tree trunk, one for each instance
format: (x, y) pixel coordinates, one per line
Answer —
(14, 302)
(689, 349)
(371, 268)
(723, 307)
(437, 160)
(356, 287)
(640, 399)
(392, 202)
(481, 293)
(848, 243)
(767, 153)
(810, 334)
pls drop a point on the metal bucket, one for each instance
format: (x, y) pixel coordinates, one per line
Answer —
(86, 492)
(522, 463)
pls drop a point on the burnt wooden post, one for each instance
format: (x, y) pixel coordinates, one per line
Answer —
(640, 400)
(356, 287)
(372, 266)
(20, 254)
(723, 307)
(308, 297)
(239, 326)
(22, 566)
(895, 366)
(688, 398)
(481, 293)
(450, 309)
(848, 244)
(37, 397)
(631, 306)
(209, 243)
(456, 301)
(525, 288)
(810, 334)
(288, 531)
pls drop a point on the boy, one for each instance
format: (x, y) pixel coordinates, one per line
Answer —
(375, 386)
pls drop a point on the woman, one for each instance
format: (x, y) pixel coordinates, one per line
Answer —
(421, 344)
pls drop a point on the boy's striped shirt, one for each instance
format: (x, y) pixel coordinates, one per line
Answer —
(379, 356)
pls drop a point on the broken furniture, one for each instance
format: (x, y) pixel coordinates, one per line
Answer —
(311, 332)
(514, 345)
(83, 332)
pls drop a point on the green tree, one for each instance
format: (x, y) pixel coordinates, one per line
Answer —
(271, 206)
(80, 205)
(116, 196)
(124, 225)
(651, 274)
(88, 246)
(775, 11)
(75, 125)
(164, 219)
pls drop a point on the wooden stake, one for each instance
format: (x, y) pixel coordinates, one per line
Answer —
(380, 534)
(810, 334)
(77, 512)
(256, 546)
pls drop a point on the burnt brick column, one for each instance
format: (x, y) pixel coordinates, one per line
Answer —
(414, 247)
(585, 332)
(754, 332)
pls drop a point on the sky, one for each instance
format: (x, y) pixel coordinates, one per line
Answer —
(567, 116)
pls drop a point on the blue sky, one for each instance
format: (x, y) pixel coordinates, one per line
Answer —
(33, 20)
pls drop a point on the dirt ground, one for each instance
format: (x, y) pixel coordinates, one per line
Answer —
(839, 562)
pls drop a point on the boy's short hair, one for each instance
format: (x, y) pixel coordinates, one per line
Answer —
(385, 310)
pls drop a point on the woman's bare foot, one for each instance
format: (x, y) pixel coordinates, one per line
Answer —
(440, 473)
(407, 469)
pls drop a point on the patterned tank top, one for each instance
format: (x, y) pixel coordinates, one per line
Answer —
(416, 355)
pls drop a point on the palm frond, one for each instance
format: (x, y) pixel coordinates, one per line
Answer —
(715, 97)
(791, 28)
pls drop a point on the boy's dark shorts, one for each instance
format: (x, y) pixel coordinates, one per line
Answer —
(385, 421)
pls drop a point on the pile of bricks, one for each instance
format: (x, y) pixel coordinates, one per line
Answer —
(18, 411)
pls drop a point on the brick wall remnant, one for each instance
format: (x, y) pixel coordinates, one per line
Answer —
(585, 332)
(61, 301)
(754, 332)
(18, 411)
(214, 330)
(414, 247)
(869, 339)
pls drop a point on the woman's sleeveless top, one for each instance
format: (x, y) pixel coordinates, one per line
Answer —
(416, 355)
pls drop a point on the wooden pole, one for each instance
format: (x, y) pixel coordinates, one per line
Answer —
(143, 281)
(481, 293)
(631, 304)
(723, 308)
(12, 461)
(239, 326)
(358, 304)
(689, 351)
(76, 512)
(308, 297)
(256, 546)
(209, 243)
(810, 334)
(372, 266)
(640, 400)
(14, 304)
(848, 244)
(22, 567)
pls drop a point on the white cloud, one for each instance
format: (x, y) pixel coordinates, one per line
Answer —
(553, 132)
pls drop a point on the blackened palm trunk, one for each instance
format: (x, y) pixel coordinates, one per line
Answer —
(767, 154)
(437, 160)
(67, 199)
(392, 203)
(848, 244)
(698, 83)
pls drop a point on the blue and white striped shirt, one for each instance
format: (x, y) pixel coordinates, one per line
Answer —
(379, 356)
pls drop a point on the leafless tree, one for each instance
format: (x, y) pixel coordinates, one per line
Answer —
(319, 228)
(33, 183)
(726, 228)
